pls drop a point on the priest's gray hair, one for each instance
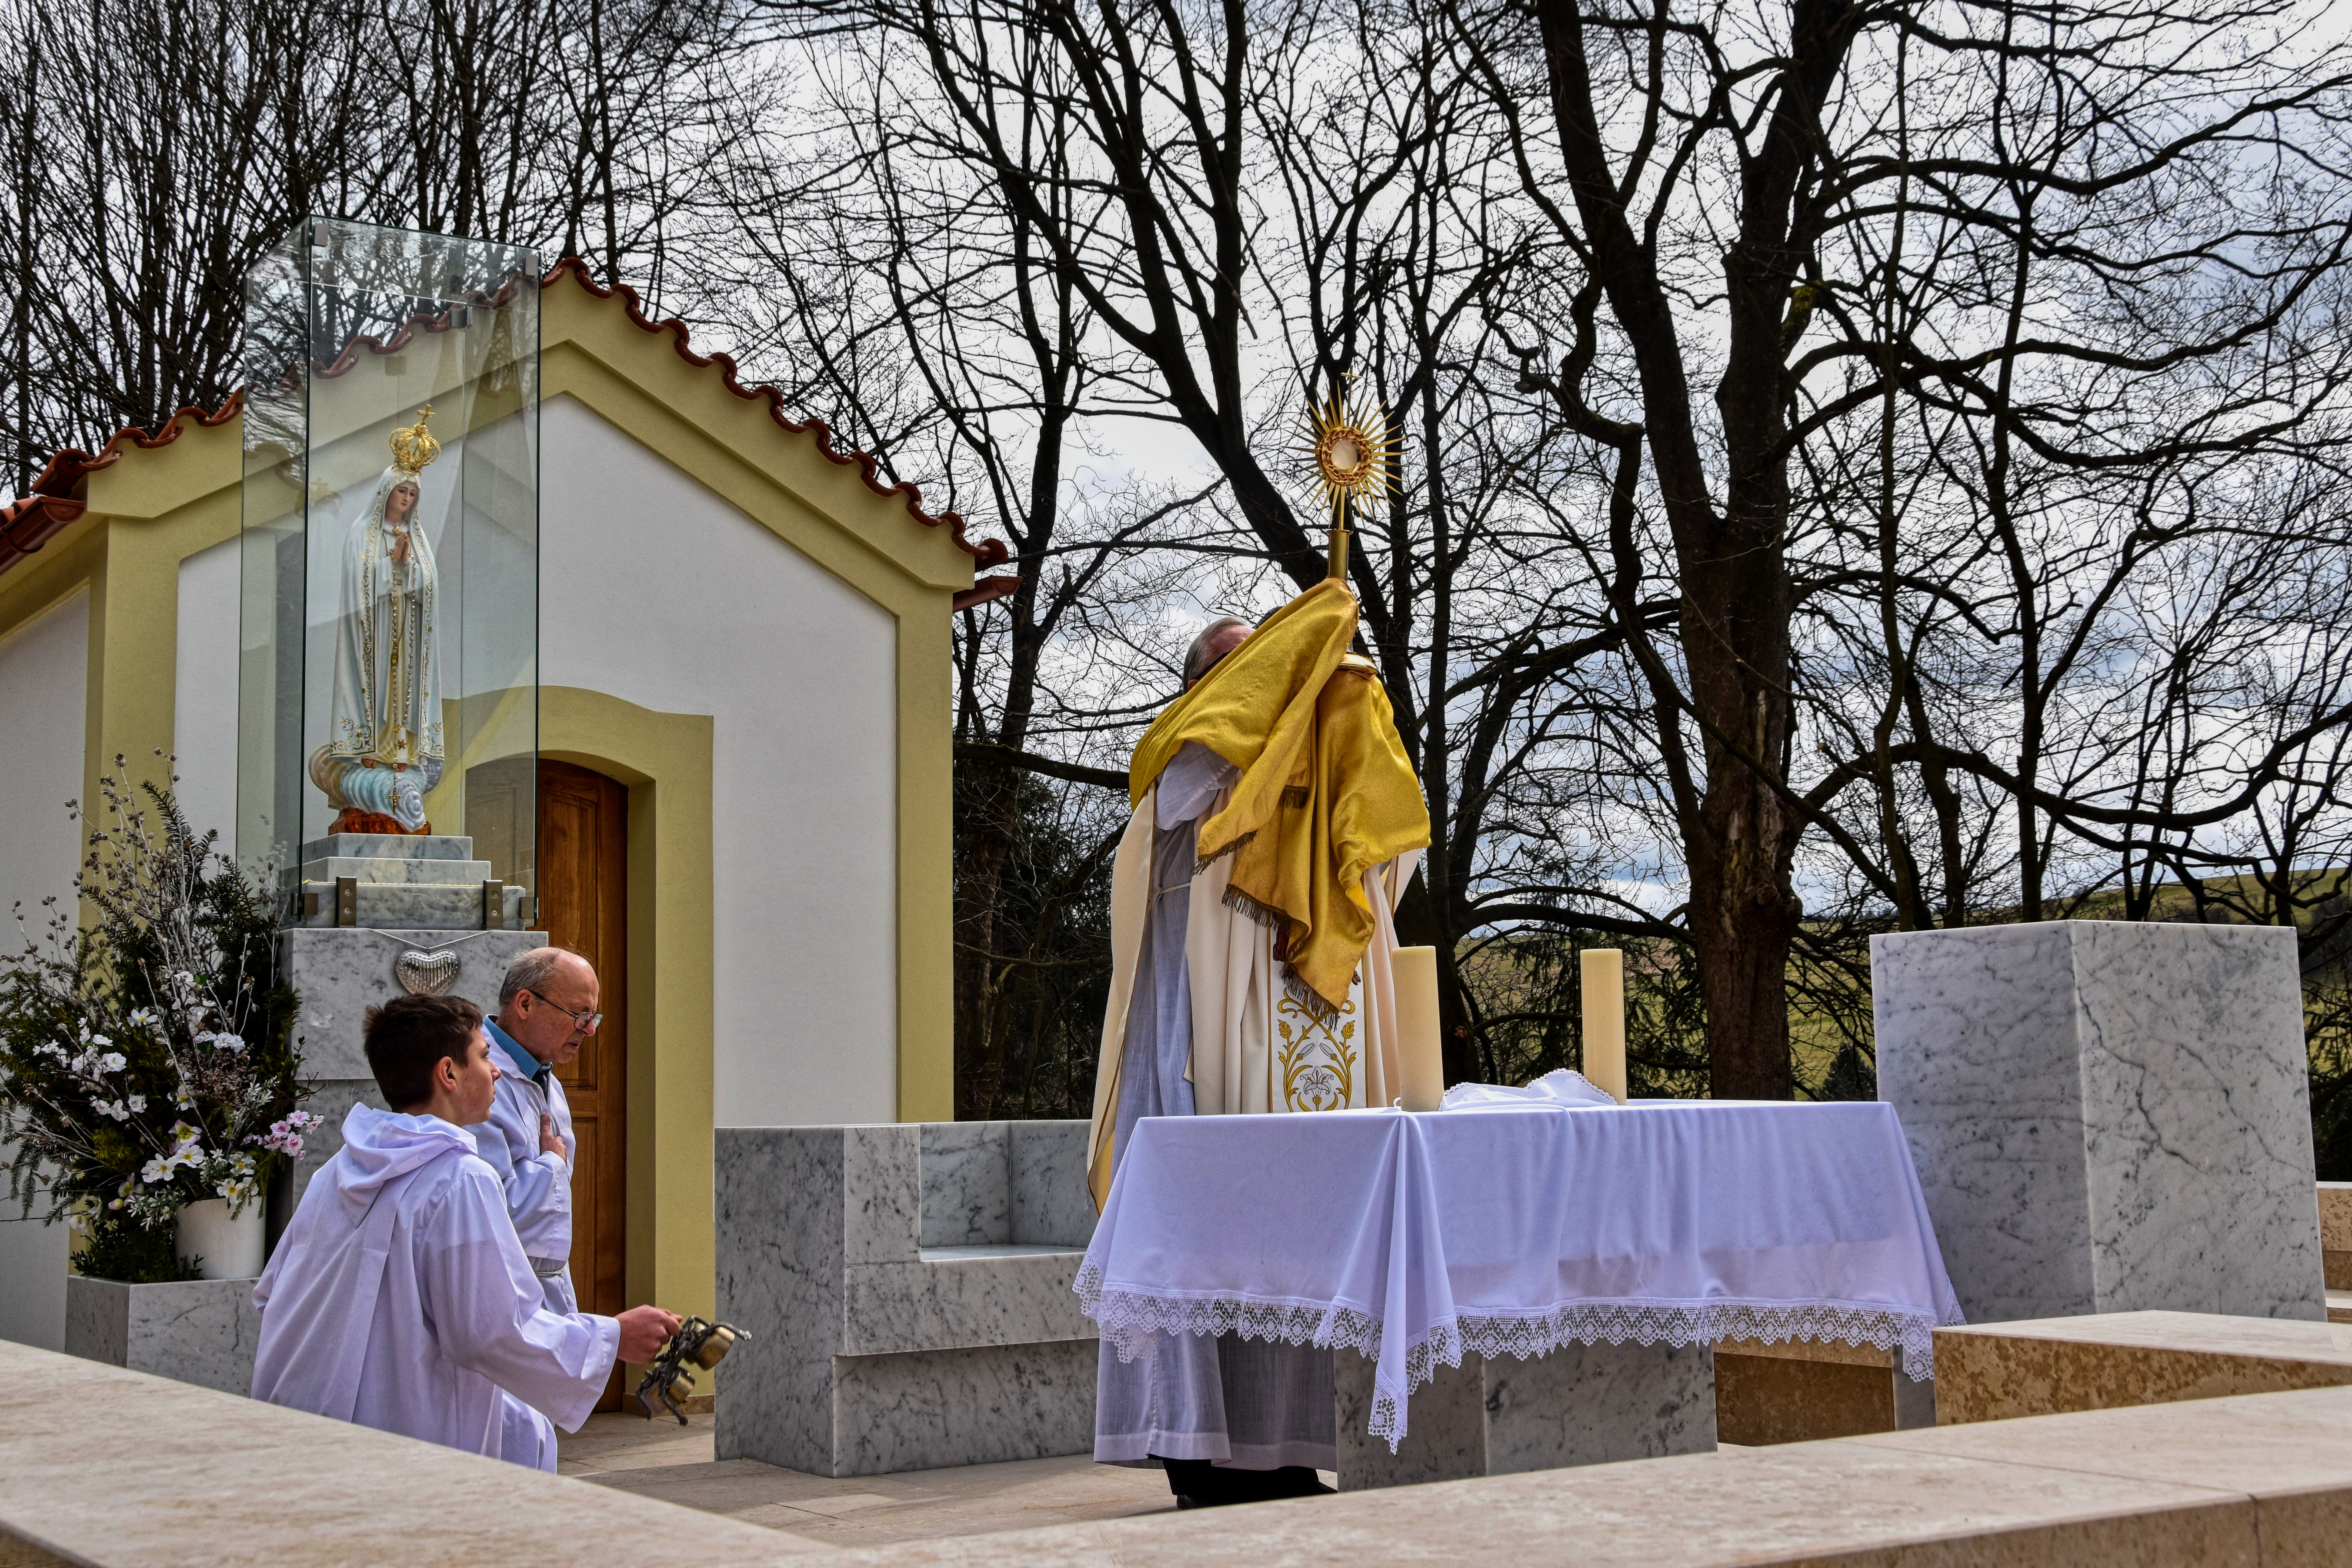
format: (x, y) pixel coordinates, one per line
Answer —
(1197, 662)
(529, 973)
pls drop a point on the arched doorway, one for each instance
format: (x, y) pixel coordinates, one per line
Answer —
(584, 904)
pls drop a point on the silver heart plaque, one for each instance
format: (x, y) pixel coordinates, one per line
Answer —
(425, 973)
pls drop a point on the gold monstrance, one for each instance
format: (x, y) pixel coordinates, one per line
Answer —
(1353, 447)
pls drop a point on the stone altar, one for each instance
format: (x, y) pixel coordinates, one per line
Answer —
(2106, 1117)
(908, 1292)
(1581, 1405)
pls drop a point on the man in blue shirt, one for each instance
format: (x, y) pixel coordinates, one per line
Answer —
(546, 1010)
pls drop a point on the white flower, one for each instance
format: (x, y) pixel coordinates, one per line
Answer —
(153, 1171)
(113, 1108)
(138, 1105)
(46, 1049)
(113, 1061)
(142, 1017)
(223, 1041)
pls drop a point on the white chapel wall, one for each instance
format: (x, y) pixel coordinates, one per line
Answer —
(203, 700)
(653, 590)
(44, 668)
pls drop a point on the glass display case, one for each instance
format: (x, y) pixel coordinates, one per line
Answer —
(388, 675)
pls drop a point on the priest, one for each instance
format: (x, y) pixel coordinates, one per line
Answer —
(1277, 821)
(399, 1297)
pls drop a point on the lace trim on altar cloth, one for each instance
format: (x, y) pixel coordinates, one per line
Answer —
(1128, 1319)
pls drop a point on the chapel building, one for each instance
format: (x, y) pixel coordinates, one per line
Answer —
(744, 751)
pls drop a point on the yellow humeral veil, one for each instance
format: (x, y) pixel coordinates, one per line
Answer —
(1299, 867)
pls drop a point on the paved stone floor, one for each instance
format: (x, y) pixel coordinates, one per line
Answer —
(674, 1463)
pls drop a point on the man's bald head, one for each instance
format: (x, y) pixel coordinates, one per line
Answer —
(548, 1002)
(1223, 635)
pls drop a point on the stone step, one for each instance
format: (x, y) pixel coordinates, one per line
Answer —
(2103, 1360)
(390, 846)
(409, 906)
(389, 868)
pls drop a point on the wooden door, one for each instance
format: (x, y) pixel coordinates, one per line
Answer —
(583, 902)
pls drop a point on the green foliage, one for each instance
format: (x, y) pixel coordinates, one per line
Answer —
(119, 1247)
(1525, 996)
(150, 1060)
(1033, 944)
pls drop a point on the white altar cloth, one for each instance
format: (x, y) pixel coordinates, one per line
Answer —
(1514, 1229)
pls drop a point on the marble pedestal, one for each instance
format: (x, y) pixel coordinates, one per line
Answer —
(1582, 1405)
(196, 1330)
(2106, 1117)
(428, 882)
(908, 1292)
(340, 972)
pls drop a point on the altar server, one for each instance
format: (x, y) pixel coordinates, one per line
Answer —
(399, 1297)
(1277, 822)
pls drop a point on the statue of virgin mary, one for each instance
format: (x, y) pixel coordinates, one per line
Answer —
(383, 751)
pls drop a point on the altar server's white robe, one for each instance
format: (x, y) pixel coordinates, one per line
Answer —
(399, 1297)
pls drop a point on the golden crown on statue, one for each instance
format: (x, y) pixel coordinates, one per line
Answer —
(412, 447)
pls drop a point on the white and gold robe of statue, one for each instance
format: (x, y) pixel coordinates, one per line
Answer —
(1201, 1021)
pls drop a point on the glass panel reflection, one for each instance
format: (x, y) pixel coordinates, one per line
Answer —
(389, 682)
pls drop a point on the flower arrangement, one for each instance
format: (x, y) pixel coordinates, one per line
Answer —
(149, 1061)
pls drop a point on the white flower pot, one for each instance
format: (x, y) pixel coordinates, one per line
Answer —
(230, 1248)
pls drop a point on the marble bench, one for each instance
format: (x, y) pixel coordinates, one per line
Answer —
(907, 1288)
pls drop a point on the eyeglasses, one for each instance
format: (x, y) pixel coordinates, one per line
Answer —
(585, 1022)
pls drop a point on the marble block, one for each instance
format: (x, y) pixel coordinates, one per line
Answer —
(340, 972)
(954, 1298)
(967, 1175)
(897, 1318)
(397, 869)
(393, 845)
(2106, 1117)
(1581, 1405)
(196, 1330)
(928, 1410)
(414, 906)
(1051, 1205)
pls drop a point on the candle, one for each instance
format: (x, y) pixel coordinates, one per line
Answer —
(1421, 1059)
(1604, 972)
